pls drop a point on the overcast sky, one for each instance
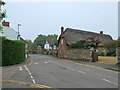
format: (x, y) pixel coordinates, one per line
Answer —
(47, 17)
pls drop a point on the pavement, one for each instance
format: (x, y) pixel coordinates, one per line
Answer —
(41, 71)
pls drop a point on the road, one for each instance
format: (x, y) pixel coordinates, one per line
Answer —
(51, 72)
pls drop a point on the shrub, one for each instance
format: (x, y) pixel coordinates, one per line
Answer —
(78, 44)
(101, 54)
(13, 52)
(111, 53)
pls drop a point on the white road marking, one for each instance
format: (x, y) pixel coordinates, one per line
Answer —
(33, 81)
(31, 76)
(36, 63)
(46, 62)
(110, 81)
(71, 68)
(20, 68)
(76, 70)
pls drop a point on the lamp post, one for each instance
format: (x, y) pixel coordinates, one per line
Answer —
(18, 31)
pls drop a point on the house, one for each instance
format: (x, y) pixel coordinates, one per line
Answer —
(8, 32)
(26, 43)
(47, 46)
(72, 35)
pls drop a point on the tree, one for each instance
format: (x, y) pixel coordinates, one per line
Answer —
(41, 40)
(111, 45)
(91, 42)
(2, 12)
(30, 44)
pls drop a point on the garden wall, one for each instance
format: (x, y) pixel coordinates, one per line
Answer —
(80, 54)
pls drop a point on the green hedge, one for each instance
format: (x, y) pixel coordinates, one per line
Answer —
(13, 52)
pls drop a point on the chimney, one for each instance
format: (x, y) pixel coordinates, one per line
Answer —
(62, 29)
(101, 32)
(4, 23)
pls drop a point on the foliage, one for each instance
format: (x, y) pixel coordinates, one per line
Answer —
(30, 44)
(111, 45)
(118, 42)
(101, 54)
(111, 53)
(41, 40)
(78, 44)
(92, 42)
(2, 13)
(13, 52)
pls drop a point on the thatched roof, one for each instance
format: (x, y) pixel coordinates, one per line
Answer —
(73, 35)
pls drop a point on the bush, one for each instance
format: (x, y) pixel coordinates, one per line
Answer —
(13, 52)
(102, 54)
(111, 53)
(78, 44)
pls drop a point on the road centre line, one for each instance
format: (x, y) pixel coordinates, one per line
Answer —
(30, 74)
(33, 81)
(110, 82)
(71, 68)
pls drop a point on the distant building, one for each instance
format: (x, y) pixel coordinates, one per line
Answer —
(26, 43)
(47, 46)
(8, 32)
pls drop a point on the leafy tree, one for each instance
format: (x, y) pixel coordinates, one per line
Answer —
(111, 45)
(91, 42)
(30, 44)
(41, 40)
(2, 13)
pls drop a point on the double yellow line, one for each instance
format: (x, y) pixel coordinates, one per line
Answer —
(28, 83)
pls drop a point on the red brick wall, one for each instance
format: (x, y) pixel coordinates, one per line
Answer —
(62, 48)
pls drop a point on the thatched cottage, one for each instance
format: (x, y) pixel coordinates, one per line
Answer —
(72, 35)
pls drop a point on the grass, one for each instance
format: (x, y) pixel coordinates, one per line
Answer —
(106, 60)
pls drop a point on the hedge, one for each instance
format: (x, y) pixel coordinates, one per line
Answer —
(13, 52)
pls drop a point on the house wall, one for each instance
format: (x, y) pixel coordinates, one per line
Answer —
(9, 33)
(62, 48)
(80, 54)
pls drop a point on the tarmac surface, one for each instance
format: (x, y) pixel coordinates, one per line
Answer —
(41, 71)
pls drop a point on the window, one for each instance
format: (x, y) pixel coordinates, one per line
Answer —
(62, 41)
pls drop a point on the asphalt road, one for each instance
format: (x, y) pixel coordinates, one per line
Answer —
(51, 72)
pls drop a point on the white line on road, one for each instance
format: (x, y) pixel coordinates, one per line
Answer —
(46, 62)
(36, 63)
(31, 76)
(110, 81)
(71, 68)
(20, 68)
(76, 70)
(33, 81)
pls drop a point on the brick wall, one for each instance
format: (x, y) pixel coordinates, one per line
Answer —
(80, 54)
(62, 48)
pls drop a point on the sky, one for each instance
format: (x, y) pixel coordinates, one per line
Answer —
(48, 17)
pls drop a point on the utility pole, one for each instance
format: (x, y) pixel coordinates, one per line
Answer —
(18, 32)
